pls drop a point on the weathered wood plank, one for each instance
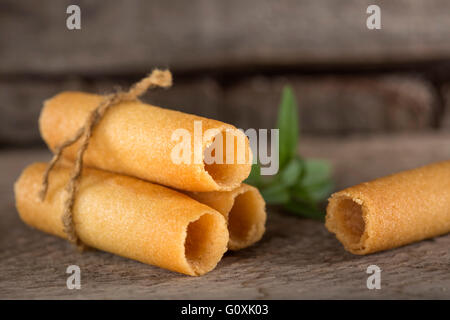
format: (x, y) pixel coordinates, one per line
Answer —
(328, 105)
(336, 105)
(297, 258)
(445, 91)
(359, 158)
(135, 35)
(21, 102)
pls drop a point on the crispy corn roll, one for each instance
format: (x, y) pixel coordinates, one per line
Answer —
(129, 217)
(137, 139)
(392, 211)
(243, 208)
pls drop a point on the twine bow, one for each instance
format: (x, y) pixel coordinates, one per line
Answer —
(158, 78)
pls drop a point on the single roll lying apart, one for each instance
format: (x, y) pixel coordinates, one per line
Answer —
(392, 211)
(128, 217)
(243, 208)
(137, 139)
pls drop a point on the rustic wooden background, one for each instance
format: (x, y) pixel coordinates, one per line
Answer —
(231, 58)
(372, 101)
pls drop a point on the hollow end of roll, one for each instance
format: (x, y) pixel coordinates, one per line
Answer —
(345, 218)
(246, 220)
(222, 174)
(206, 242)
(228, 173)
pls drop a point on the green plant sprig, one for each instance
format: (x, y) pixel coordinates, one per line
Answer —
(300, 184)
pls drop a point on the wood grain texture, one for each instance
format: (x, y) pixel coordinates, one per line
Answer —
(328, 105)
(135, 35)
(21, 101)
(296, 259)
(445, 91)
(336, 104)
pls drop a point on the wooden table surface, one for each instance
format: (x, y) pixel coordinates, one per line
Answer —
(296, 259)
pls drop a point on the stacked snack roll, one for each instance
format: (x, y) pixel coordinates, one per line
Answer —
(123, 203)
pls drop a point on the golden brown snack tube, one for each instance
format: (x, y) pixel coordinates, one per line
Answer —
(243, 208)
(392, 211)
(129, 217)
(137, 139)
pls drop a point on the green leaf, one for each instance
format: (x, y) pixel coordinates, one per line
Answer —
(301, 193)
(315, 172)
(275, 194)
(321, 191)
(254, 177)
(304, 209)
(300, 184)
(291, 172)
(313, 193)
(288, 125)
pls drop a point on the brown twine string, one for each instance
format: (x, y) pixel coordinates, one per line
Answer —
(158, 78)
